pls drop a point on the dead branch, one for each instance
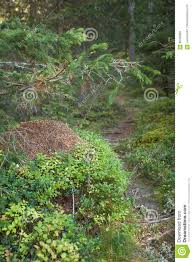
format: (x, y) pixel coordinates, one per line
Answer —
(21, 65)
(158, 220)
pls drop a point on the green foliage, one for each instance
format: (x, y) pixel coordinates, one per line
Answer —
(144, 74)
(100, 178)
(60, 78)
(117, 243)
(6, 121)
(38, 43)
(162, 58)
(34, 55)
(33, 225)
(40, 236)
(151, 150)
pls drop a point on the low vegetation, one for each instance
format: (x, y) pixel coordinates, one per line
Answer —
(53, 207)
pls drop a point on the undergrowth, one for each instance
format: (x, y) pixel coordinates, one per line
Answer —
(35, 226)
(150, 151)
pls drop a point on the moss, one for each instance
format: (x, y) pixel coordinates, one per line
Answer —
(151, 149)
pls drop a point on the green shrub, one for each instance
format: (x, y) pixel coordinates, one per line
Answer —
(32, 235)
(36, 226)
(92, 171)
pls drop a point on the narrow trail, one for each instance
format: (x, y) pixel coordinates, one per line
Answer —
(122, 131)
(140, 188)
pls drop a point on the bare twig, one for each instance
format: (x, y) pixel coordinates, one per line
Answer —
(73, 203)
(158, 220)
(21, 65)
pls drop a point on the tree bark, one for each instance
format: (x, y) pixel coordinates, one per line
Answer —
(32, 10)
(131, 12)
(60, 19)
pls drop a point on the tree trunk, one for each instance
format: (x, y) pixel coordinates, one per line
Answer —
(131, 11)
(60, 19)
(150, 13)
(32, 11)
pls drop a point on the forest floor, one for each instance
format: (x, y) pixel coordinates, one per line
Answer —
(160, 229)
(140, 188)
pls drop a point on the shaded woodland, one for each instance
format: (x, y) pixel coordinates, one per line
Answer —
(87, 130)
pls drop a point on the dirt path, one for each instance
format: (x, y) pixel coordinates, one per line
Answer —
(122, 131)
(140, 188)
